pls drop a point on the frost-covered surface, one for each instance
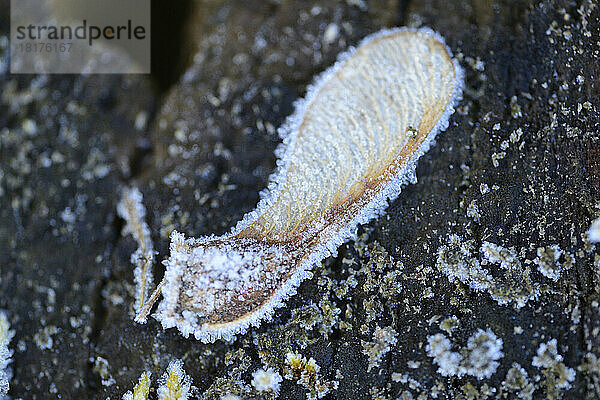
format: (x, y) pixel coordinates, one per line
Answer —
(439, 348)
(6, 335)
(347, 150)
(557, 373)
(484, 349)
(517, 382)
(521, 147)
(552, 261)
(306, 372)
(174, 384)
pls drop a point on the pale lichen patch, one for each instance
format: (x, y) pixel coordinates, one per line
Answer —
(517, 382)
(590, 367)
(102, 368)
(549, 264)
(230, 396)
(439, 348)
(449, 324)
(473, 211)
(558, 375)
(43, 338)
(511, 284)
(594, 231)
(496, 254)
(483, 351)
(232, 384)
(456, 260)
(547, 355)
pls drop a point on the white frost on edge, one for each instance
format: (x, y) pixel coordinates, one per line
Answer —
(288, 132)
(132, 210)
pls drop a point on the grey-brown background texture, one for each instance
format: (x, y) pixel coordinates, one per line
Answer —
(519, 167)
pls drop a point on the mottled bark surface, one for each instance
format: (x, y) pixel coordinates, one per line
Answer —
(518, 170)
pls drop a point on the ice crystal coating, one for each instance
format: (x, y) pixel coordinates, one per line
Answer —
(131, 209)
(439, 348)
(548, 262)
(517, 382)
(478, 359)
(266, 380)
(457, 261)
(484, 350)
(594, 231)
(558, 375)
(6, 334)
(348, 148)
(230, 396)
(547, 355)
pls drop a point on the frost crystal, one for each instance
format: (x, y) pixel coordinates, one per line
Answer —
(6, 334)
(439, 348)
(513, 284)
(347, 150)
(457, 262)
(230, 396)
(558, 375)
(101, 367)
(484, 348)
(449, 324)
(266, 380)
(175, 384)
(548, 262)
(306, 373)
(547, 355)
(131, 209)
(499, 255)
(478, 359)
(516, 381)
(594, 231)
